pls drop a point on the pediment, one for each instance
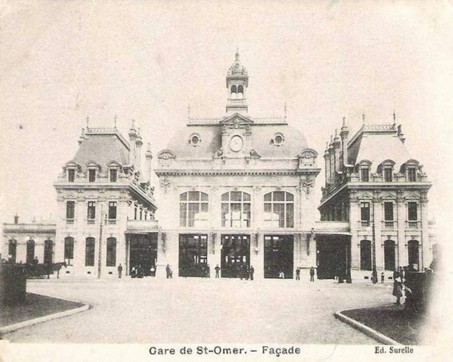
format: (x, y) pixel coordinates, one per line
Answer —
(236, 119)
(365, 196)
(389, 196)
(412, 197)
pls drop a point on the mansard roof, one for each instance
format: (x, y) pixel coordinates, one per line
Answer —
(376, 144)
(102, 148)
(210, 139)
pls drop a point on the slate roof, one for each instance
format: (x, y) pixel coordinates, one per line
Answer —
(377, 143)
(262, 134)
(102, 148)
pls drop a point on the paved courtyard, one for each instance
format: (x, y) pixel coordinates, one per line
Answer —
(204, 311)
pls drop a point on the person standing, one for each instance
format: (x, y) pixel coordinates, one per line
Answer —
(298, 273)
(252, 271)
(217, 271)
(312, 274)
(169, 272)
(120, 270)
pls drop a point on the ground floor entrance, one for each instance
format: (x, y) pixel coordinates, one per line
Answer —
(278, 256)
(193, 255)
(235, 255)
(333, 256)
(142, 254)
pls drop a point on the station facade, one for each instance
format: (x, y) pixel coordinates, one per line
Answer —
(237, 191)
(378, 195)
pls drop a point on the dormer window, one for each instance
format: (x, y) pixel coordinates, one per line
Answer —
(113, 175)
(91, 175)
(386, 169)
(388, 174)
(364, 170)
(365, 174)
(412, 174)
(71, 175)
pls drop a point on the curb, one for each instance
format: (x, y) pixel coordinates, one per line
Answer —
(370, 332)
(31, 322)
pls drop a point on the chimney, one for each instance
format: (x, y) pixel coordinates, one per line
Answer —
(149, 157)
(138, 152)
(327, 164)
(132, 138)
(16, 219)
(344, 142)
(336, 149)
(331, 161)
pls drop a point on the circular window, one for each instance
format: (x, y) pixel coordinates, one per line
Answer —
(194, 140)
(278, 139)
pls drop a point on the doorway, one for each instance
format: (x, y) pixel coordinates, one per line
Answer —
(143, 252)
(278, 256)
(235, 255)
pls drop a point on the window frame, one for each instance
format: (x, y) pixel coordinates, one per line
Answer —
(91, 216)
(192, 203)
(285, 222)
(243, 206)
(111, 251)
(71, 174)
(92, 171)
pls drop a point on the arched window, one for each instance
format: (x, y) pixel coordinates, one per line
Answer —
(48, 251)
(111, 251)
(68, 249)
(279, 209)
(193, 209)
(233, 89)
(240, 91)
(89, 251)
(413, 253)
(236, 209)
(365, 255)
(30, 251)
(389, 255)
(12, 250)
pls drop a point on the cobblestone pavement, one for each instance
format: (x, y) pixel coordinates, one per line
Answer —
(204, 311)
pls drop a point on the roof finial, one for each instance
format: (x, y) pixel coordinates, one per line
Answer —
(149, 147)
(88, 122)
(237, 53)
(363, 117)
(344, 121)
(285, 110)
(114, 121)
(394, 117)
(188, 111)
(133, 124)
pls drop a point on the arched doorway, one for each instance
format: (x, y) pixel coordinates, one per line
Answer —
(365, 255)
(30, 251)
(389, 255)
(48, 251)
(413, 253)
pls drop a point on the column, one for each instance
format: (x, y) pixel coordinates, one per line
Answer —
(426, 254)
(401, 251)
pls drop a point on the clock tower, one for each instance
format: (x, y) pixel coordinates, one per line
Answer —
(237, 82)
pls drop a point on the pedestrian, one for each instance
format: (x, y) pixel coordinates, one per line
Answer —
(398, 289)
(312, 274)
(298, 273)
(217, 271)
(169, 272)
(281, 275)
(382, 277)
(120, 270)
(153, 271)
(133, 272)
(252, 271)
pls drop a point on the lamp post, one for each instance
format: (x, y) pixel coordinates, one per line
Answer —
(374, 277)
(100, 243)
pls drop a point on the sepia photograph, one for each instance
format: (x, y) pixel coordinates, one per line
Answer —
(225, 180)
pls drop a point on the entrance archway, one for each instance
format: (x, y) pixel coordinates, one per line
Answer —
(413, 253)
(365, 255)
(278, 256)
(235, 255)
(389, 255)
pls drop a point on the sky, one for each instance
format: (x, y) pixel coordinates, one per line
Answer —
(149, 60)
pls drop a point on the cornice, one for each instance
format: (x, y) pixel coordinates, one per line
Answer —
(242, 172)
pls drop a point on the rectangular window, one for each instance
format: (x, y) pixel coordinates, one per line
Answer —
(365, 213)
(91, 175)
(89, 252)
(68, 248)
(412, 211)
(91, 211)
(388, 215)
(412, 175)
(112, 210)
(70, 208)
(388, 174)
(113, 175)
(365, 175)
(71, 175)
(111, 252)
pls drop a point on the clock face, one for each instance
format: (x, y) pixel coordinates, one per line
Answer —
(236, 143)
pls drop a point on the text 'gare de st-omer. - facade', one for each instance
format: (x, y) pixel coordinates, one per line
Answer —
(233, 191)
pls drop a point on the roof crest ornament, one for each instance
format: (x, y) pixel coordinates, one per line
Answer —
(285, 110)
(363, 117)
(88, 122)
(394, 118)
(115, 119)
